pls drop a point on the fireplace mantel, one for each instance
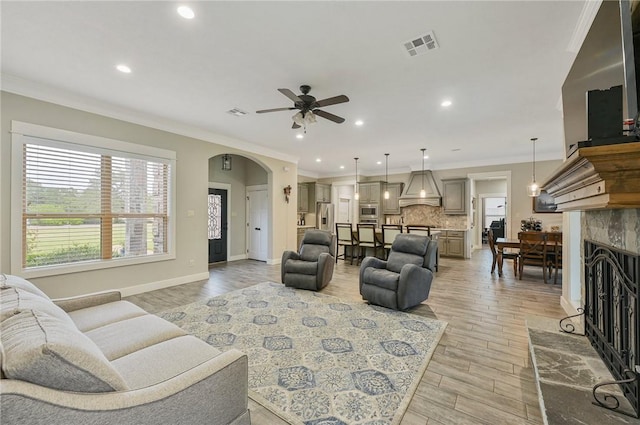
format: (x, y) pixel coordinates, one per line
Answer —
(598, 177)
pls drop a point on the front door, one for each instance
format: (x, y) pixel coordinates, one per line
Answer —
(218, 225)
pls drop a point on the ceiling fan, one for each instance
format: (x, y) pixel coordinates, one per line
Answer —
(308, 106)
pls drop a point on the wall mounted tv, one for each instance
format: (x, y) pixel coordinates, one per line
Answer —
(606, 59)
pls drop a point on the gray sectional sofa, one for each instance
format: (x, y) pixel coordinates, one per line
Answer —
(100, 360)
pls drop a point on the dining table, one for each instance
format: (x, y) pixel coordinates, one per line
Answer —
(501, 244)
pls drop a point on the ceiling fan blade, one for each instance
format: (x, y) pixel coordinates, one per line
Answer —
(291, 95)
(328, 116)
(332, 101)
(295, 125)
(274, 110)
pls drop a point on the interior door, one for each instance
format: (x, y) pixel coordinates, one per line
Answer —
(217, 225)
(257, 225)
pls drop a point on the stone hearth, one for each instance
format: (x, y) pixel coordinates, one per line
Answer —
(566, 369)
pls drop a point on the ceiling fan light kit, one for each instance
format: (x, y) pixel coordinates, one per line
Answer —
(308, 107)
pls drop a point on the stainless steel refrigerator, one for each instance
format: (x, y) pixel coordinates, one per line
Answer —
(325, 216)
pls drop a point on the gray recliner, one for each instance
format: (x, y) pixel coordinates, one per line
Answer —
(312, 267)
(404, 280)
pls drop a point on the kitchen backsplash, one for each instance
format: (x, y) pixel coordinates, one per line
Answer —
(429, 216)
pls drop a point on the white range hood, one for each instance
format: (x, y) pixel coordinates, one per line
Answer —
(411, 195)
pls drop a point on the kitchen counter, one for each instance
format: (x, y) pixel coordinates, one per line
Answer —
(307, 226)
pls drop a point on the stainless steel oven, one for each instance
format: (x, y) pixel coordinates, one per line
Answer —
(373, 221)
(369, 211)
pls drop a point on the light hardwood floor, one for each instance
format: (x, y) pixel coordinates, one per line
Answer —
(480, 372)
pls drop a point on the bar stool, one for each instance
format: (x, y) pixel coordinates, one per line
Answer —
(367, 239)
(346, 239)
(389, 233)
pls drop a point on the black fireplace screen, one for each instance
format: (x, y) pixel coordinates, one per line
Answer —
(611, 312)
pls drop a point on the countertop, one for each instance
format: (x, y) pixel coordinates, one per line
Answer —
(307, 226)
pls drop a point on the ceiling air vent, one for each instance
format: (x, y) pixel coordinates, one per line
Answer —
(422, 44)
(237, 112)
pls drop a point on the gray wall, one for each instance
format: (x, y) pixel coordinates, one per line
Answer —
(192, 181)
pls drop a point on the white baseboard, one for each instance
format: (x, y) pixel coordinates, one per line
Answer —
(237, 257)
(571, 309)
(273, 261)
(152, 286)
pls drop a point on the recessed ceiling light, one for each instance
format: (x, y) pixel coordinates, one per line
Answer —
(299, 136)
(318, 160)
(379, 162)
(446, 103)
(342, 167)
(123, 68)
(359, 123)
(186, 12)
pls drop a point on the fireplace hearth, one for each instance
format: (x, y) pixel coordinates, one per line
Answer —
(612, 324)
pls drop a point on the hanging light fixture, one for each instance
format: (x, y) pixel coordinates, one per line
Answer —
(226, 162)
(357, 194)
(386, 176)
(423, 194)
(533, 189)
(304, 118)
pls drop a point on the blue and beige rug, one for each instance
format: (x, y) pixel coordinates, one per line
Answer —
(316, 359)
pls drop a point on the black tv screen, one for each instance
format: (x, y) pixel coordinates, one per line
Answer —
(605, 60)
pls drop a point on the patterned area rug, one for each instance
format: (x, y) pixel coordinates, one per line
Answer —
(315, 359)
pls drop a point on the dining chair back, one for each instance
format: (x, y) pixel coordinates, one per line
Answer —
(554, 252)
(505, 254)
(533, 251)
(389, 233)
(346, 238)
(367, 239)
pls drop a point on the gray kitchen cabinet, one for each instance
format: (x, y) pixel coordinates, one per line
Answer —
(323, 192)
(392, 205)
(454, 196)
(451, 243)
(303, 198)
(369, 192)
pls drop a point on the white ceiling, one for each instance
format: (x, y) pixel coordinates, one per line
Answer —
(502, 64)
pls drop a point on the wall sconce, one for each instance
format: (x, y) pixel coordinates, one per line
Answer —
(226, 162)
(287, 193)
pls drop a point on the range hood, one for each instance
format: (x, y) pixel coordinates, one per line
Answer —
(411, 195)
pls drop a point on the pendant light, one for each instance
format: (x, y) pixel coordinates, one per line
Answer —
(386, 176)
(357, 194)
(226, 162)
(533, 189)
(423, 194)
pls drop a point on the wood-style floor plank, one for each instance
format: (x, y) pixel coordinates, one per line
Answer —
(480, 372)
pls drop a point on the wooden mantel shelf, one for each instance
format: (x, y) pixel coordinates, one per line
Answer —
(598, 177)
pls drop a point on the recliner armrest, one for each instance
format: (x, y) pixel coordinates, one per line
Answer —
(287, 255)
(374, 262)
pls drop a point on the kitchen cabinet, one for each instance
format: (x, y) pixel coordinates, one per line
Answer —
(303, 198)
(451, 243)
(454, 196)
(392, 205)
(369, 192)
(323, 192)
(301, 231)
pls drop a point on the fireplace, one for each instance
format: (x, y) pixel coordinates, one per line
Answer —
(612, 324)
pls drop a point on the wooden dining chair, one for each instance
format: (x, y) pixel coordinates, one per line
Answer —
(389, 233)
(505, 254)
(346, 238)
(533, 252)
(367, 239)
(554, 253)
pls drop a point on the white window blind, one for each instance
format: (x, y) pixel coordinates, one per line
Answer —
(87, 204)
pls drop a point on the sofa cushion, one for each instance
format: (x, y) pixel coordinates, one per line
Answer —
(46, 351)
(164, 360)
(14, 300)
(382, 278)
(90, 318)
(126, 336)
(12, 281)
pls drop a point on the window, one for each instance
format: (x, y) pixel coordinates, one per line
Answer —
(89, 202)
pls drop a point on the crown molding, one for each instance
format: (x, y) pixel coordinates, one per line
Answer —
(23, 87)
